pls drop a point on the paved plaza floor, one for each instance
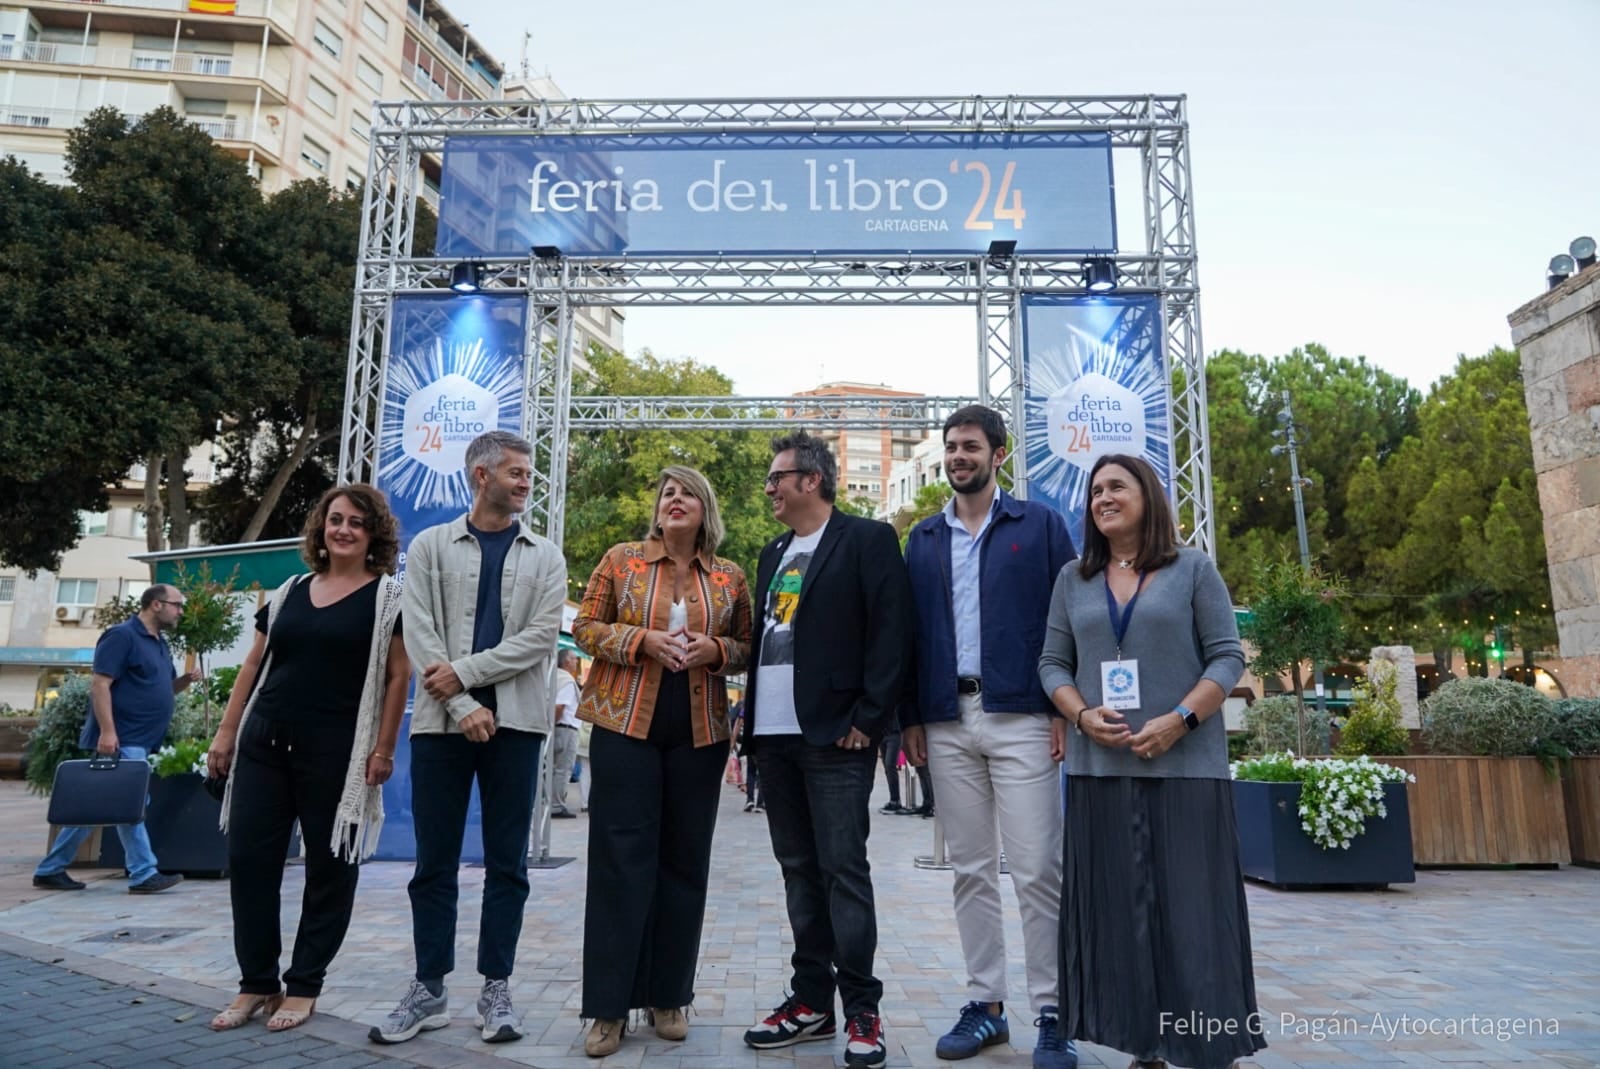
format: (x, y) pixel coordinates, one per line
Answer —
(1460, 968)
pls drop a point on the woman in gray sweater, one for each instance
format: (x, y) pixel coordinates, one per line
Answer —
(1140, 651)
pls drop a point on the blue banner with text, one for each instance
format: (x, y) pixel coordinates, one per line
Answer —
(783, 193)
(1095, 384)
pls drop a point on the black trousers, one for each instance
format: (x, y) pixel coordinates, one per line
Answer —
(817, 817)
(890, 748)
(652, 811)
(284, 773)
(442, 770)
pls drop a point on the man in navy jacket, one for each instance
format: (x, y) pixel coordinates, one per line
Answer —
(982, 571)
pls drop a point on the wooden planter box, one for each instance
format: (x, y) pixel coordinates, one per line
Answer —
(14, 732)
(1580, 787)
(1485, 811)
(1274, 848)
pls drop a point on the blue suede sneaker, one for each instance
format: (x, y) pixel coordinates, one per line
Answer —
(1053, 1051)
(977, 1028)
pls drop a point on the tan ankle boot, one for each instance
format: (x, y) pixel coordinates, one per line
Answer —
(670, 1023)
(604, 1037)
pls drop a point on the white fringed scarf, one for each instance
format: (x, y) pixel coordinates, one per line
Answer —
(359, 818)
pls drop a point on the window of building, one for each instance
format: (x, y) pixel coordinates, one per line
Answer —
(8, 588)
(321, 96)
(863, 443)
(76, 592)
(314, 154)
(92, 523)
(375, 23)
(327, 40)
(361, 126)
(370, 76)
(353, 180)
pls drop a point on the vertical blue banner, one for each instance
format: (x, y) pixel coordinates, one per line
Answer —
(1095, 383)
(454, 370)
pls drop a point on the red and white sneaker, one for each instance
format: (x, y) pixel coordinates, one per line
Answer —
(792, 1022)
(864, 1049)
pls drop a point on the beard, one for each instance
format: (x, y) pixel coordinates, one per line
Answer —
(969, 484)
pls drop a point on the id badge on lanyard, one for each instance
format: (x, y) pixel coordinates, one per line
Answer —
(1119, 679)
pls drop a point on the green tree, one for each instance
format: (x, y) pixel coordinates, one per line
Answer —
(611, 476)
(163, 257)
(1453, 518)
(66, 420)
(1345, 410)
(211, 619)
(929, 499)
(1294, 618)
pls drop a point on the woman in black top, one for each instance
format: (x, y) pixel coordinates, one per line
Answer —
(309, 734)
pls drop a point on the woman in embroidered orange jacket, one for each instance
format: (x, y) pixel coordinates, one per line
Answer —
(665, 620)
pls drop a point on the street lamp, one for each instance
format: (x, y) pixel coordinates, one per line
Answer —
(1291, 445)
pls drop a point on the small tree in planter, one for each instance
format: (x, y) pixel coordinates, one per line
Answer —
(211, 621)
(1578, 732)
(1373, 726)
(1294, 618)
(1272, 725)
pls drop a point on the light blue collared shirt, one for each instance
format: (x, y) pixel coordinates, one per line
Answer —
(965, 602)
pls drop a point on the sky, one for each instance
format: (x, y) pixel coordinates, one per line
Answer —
(1388, 179)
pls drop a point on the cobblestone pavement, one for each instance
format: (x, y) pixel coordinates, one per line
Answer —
(1461, 968)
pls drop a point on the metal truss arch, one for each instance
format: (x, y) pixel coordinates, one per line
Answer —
(405, 132)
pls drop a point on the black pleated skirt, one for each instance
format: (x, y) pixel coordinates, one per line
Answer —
(1155, 933)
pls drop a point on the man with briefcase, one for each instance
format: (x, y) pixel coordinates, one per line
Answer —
(130, 705)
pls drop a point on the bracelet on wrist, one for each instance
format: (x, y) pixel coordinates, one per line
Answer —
(385, 756)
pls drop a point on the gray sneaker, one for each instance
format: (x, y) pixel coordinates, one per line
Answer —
(418, 1012)
(495, 1015)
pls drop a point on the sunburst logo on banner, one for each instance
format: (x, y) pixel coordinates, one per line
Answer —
(440, 395)
(1095, 384)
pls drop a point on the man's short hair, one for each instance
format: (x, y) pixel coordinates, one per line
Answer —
(488, 449)
(811, 457)
(566, 657)
(987, 419)
(154, 593)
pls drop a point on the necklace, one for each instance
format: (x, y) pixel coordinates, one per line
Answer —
(1124, 564)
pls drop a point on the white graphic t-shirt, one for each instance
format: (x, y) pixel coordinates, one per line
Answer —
(775, 713)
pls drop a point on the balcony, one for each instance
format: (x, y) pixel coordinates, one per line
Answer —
(231, 130)
(202, 65)
(433, 38)
(279, 12)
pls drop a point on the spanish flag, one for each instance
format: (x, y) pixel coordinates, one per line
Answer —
(213, 7)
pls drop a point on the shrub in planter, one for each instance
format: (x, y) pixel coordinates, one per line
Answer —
(1373, 726)
(1272, 725)
(56, 738)
(1489, 718)
(1578, 726)
(1336, 797)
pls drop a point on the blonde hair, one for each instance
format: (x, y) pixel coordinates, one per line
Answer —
(699, 487)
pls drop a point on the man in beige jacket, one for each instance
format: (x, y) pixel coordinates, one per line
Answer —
(482, 613)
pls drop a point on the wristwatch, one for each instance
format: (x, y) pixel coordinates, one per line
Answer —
(1190, 717)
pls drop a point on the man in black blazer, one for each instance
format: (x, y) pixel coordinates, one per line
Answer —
(832, 647)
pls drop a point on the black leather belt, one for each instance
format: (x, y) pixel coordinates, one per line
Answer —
(969, 685)
(569, 727)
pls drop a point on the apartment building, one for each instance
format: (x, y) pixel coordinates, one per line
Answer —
(924, 467)
(287, 85)
(865, 456)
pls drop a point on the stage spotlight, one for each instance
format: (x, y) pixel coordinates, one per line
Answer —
(1002, 250)
(547, 252)
(1100, 276)
(1562, 267)
(1582, 250)
(464, 277)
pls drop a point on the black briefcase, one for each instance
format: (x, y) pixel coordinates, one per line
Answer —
(102, 790)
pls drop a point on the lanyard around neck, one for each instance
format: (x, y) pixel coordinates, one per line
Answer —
(1120, 620)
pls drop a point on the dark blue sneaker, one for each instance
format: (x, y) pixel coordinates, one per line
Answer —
(977, 1028)
(1053, 1051)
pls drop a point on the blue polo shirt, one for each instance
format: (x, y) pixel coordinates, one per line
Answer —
(141, 671)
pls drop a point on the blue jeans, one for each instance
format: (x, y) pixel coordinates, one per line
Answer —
(817, 817)
(442, 770)
(136, 848)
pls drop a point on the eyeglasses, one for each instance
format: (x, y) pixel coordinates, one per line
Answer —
(179, 604)
(776, 477)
